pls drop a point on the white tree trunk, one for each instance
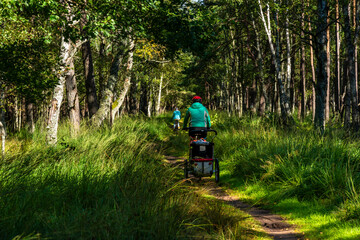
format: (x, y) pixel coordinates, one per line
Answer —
(16, 110)
(108, 92)
(288, 54)
(127, 82)
(72, 95)
(158, 104)
(54, 114)
(275, 51)
(149, 107)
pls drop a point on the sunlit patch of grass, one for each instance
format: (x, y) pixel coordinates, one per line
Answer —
(107, 183)
(268, 164)
(102, 184)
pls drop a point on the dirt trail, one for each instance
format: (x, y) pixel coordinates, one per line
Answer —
(274, 225)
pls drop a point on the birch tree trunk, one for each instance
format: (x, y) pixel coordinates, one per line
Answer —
(275, 51)
(288, 58)
(313, 73)
(150, 102)
(108, 92)
(72, 95)
(327, 105)
(337, 82)
(158, 104)
(303, 78)
(127, 82)
(54, 113)
(16, 110)
(321, 55)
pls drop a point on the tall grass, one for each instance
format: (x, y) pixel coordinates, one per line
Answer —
(109, 183)
(106, 184)
(294, 162)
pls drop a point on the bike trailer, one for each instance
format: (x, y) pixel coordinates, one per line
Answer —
(202, 157)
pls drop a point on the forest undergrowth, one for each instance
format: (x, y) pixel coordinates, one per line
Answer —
(312, 180)
(109, 183)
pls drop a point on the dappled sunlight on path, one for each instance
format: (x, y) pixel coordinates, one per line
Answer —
(274, 225)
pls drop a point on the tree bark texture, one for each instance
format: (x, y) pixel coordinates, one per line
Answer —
(321, 55)
(313, 74)
(337, 82)
(72, 95)
(143, 97)
(259, 65)
(327, 105)
(302, 108)
(30, 116)
(57, 98)
(158, 104)
(108, 93)
(275, 50)
(150, 102)
(91, 96)
(350, 47)
(303, 82)
(102, 81)
(127, 81)
(288, 61)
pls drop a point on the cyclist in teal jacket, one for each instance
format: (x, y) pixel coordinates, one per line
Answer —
(176, 118)
(199, 117)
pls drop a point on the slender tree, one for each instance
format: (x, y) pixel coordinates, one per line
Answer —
(321, 71)
(275, 51)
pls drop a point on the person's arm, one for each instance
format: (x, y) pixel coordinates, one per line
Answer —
(186, 119)
(173, 116)
(208, 121)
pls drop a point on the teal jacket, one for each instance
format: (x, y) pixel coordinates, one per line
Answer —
(199, 116)
(176, 115)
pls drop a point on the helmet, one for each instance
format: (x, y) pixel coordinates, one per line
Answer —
(196, 99)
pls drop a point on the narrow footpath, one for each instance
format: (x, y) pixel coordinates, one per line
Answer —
(274, 225)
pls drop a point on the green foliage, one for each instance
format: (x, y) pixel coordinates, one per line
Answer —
(102, 185)
(296, 162)
(27, 66)
(105, 184)
(275, 166)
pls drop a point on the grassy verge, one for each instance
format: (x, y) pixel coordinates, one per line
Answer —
(313, 181)
(106, 184)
